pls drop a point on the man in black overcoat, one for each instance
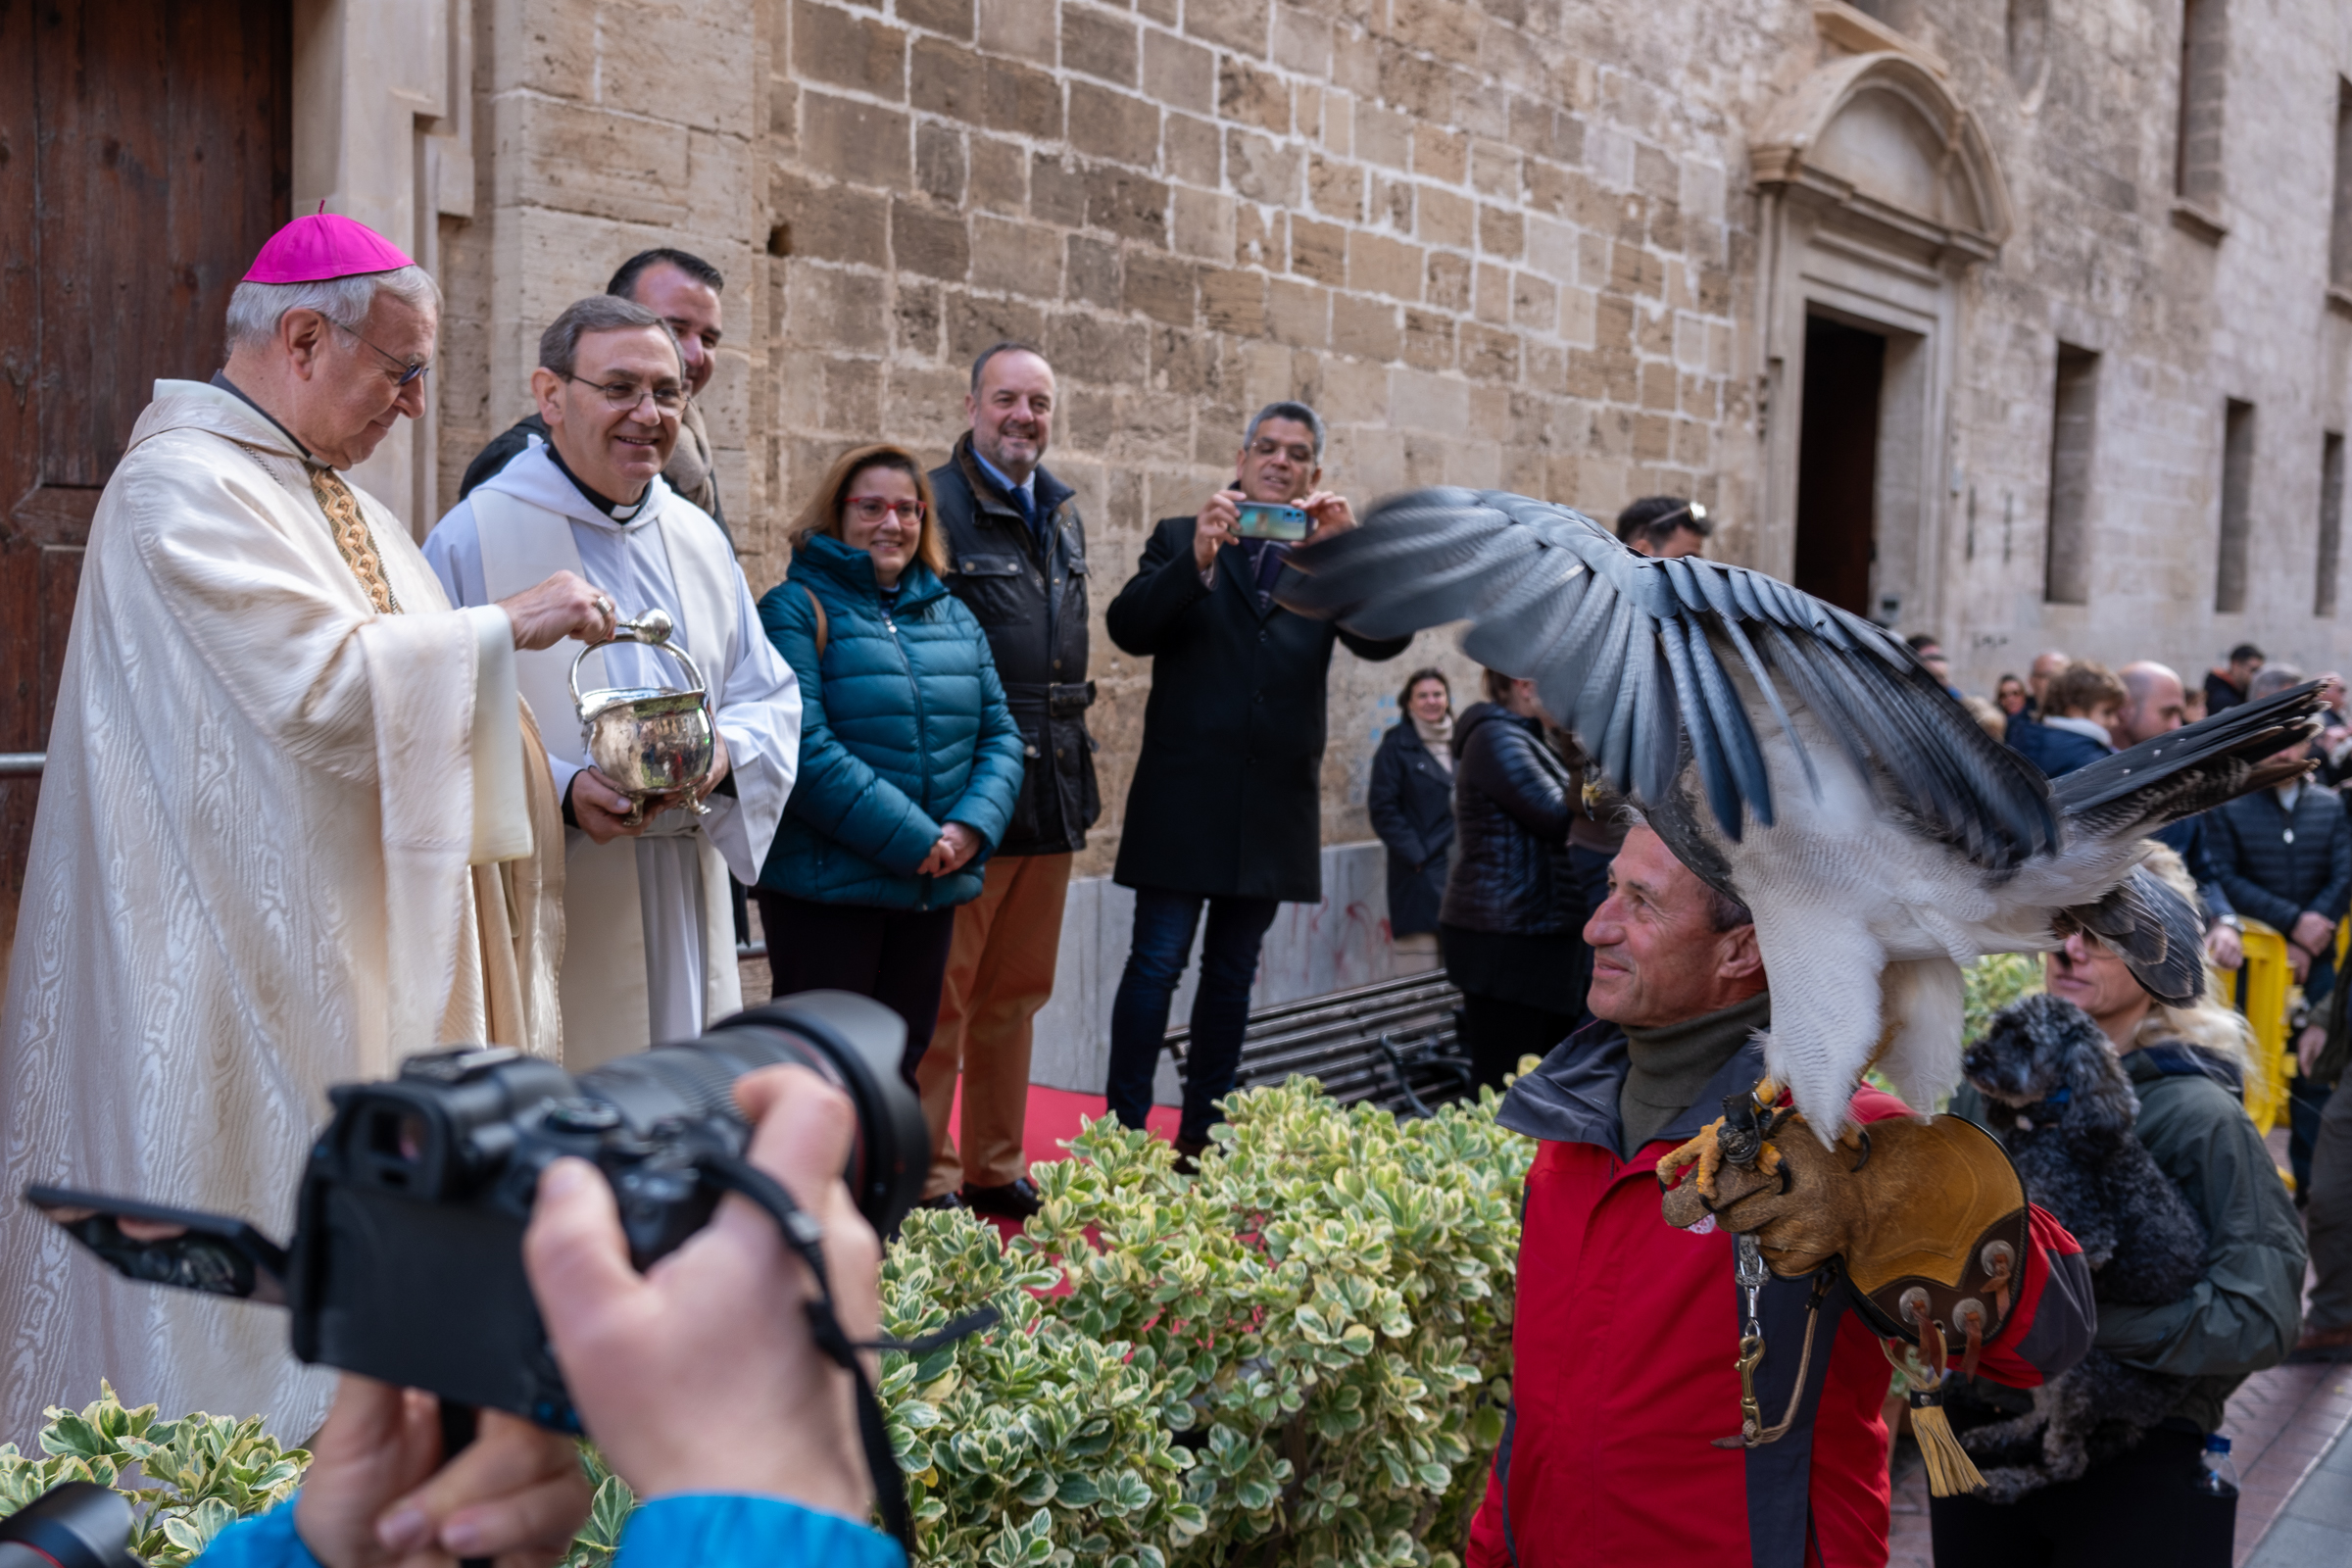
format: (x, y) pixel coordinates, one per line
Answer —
(1226, 810)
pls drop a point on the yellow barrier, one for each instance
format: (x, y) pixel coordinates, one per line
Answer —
(2260, 990)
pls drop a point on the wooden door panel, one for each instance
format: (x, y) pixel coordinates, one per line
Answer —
(148, 143)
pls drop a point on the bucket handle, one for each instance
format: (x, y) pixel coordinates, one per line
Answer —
(654, 629)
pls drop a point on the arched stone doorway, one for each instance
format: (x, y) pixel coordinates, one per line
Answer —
(1878, 192)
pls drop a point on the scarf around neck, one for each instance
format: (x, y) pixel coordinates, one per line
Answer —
(1438, 738)
(1670, 1065)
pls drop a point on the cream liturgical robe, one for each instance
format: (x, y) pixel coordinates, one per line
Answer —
(276, 848)
(649, 951)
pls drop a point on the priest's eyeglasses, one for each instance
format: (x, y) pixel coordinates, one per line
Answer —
(668, 397)
(406, 371)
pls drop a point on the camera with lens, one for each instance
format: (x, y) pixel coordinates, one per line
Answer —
(407, 1259)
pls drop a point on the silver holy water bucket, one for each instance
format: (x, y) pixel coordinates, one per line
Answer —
(648, 741)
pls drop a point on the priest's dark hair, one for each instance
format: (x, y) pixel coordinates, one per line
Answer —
(624, 281)
(559, 344)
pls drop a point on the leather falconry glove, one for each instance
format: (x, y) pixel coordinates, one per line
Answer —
(1926, 1216)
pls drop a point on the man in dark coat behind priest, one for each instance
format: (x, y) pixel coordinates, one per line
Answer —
(1226, 807)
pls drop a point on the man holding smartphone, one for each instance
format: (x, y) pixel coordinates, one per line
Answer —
(1226, 808)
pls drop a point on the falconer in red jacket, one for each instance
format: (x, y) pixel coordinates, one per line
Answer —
(1629, 1330)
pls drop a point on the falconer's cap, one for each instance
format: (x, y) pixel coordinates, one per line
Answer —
(324, 245)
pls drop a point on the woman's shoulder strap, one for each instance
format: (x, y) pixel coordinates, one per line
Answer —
(817, 608)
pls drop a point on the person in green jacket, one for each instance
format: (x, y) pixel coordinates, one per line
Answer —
(910, 757)
(2186, 1066)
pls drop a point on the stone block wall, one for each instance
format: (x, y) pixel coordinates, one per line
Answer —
(1434, 222)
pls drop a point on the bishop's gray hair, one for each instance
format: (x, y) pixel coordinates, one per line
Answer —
(559, 344)
(1297, 412)
(255, 310)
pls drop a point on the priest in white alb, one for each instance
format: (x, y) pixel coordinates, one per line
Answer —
(294, 827)
(649, 949)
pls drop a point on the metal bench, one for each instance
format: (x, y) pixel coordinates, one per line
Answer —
(1397, 1042)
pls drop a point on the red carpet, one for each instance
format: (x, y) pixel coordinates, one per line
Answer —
(1055, 1115)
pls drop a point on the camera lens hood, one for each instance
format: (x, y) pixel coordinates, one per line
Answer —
(75, 1524)
(859, 1044)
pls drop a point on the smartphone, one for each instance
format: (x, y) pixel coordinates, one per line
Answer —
(1262, 519)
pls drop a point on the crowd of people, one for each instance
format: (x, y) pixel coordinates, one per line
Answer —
(317, 803)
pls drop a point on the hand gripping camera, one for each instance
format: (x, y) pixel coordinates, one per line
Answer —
(407, 1259)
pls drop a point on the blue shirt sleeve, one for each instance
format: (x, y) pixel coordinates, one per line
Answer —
(265, 1542)
(702, 1531)
(715, 1531)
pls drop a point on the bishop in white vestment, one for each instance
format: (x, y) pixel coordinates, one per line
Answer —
(291, 832)
(649, 947)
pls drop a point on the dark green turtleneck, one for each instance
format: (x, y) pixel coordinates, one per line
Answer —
(1673, 1062)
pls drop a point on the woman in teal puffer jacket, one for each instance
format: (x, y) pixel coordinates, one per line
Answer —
(909, 759)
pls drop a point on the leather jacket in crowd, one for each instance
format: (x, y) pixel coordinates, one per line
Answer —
(1513, 801)
(1031, 602)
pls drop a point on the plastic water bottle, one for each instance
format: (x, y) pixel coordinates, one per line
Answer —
(2219, 1479)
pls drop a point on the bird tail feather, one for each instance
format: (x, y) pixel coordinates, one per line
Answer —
(1925, 1000)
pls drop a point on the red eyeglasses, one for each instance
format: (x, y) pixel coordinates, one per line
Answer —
(871, 508)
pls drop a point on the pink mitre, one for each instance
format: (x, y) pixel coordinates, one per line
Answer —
(324, 245)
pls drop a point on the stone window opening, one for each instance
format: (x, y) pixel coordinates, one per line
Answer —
(2074, 423)
(2028, 39)
(2332, 523)
(2339, 228)
(2238, 506)
(2204, 60)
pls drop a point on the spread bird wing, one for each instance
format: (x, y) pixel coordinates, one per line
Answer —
(2138, 790)
(1650, 661)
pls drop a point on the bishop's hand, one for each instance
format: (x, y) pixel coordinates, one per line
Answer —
(565, 606)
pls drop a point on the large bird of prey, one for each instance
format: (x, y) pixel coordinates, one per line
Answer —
(1802, 762)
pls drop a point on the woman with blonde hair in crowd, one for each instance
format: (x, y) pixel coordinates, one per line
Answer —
(909, 759)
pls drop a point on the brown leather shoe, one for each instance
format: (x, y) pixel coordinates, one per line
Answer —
(1015, 1199)
(2324, 1344)
(1188, 1155)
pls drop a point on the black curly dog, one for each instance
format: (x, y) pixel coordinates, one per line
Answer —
(2060, 1101)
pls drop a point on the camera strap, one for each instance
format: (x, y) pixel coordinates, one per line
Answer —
(735, 1174)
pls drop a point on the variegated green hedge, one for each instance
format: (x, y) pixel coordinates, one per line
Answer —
(1297, 1357)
